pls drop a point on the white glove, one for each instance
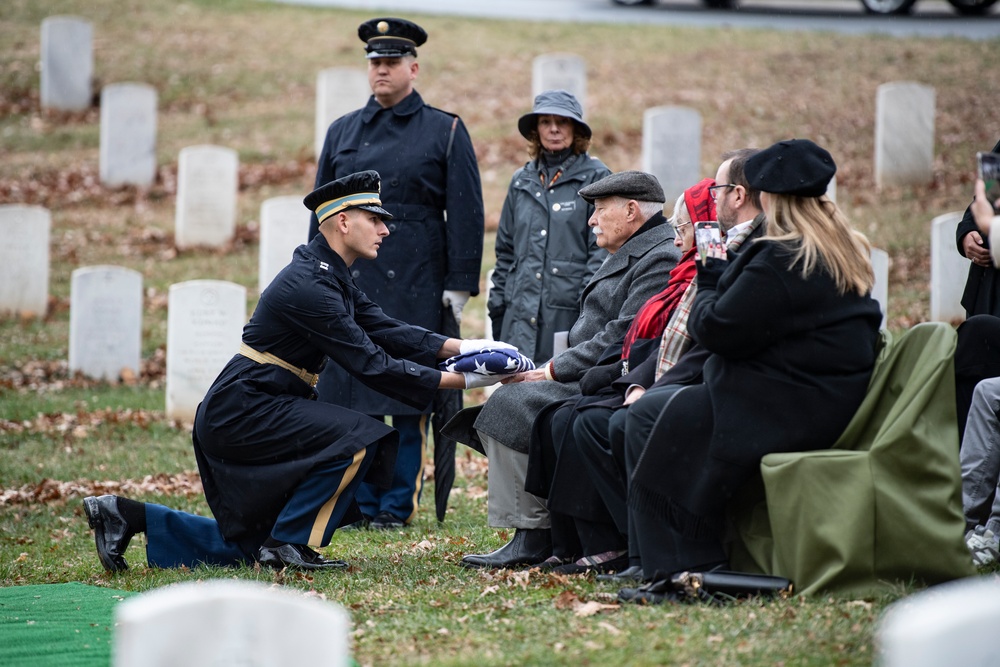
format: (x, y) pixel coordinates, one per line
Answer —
(476, 344)
(456, 301)
(474, 380)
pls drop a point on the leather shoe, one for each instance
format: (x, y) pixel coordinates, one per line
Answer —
(111, 532)
(296, 556)
(386, 521)
(529, 546)
(631, 573)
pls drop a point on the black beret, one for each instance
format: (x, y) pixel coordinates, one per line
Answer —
(636, 185)
(793, 167)
(391, 38)
(360, 190)
(555, 103)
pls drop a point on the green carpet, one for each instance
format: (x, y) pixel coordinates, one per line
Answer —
(57, 625)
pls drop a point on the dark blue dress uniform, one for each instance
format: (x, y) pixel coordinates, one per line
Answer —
(428, 166)
(273, 460)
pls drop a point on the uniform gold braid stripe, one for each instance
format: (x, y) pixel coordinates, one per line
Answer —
(326, 511)
(334, 206)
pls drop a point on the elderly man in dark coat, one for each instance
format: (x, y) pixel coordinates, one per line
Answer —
(629, 223)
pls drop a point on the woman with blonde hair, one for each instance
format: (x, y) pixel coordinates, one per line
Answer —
(792, 330)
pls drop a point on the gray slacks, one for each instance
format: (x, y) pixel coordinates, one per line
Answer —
(980, 458)
(510, 506)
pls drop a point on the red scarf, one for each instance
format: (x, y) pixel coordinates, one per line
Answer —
(652, 318)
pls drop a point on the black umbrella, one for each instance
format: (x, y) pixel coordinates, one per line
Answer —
(447, 404)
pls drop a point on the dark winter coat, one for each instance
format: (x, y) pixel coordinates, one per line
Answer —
(428, 168)
(790, 363)
(546, 255)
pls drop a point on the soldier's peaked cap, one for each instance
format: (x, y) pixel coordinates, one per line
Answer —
(391, 38)
(359, 190)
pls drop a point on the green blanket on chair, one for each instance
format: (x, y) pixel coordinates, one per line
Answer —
(884, 505)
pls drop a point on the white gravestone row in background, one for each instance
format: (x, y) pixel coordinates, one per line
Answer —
(904, 134)
(880, 290)
(949, 270)
(222, 622)
(24, 260)
(339, 90)
(207, 184)
(564, 71)
(128, 134)
(67, 63)
(671, 148)
(205, 321)
(105, 321)
(284, 226)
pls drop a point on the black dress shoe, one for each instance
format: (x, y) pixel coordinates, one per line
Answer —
(386, 521)
(529, 546)
(297, 556)
(111, 532)
(631, 573)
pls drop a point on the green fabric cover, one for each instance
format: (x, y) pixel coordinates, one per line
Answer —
(57, 625)
(884, 505)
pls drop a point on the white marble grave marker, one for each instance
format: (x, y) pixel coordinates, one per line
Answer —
(949, 270)
(128, 134)
(205, 321)
(67, 63)
(671, 148)
(284, 226)
(223, 622)
(207, 184)
(105, 322)
(24, 260)
(339, 90)
(564, 71)
(880, 290)
(904, 134)
(950, 624)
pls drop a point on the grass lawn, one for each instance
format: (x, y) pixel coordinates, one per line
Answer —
(241, 74)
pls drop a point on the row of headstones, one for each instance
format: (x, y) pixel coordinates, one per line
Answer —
(671, 144)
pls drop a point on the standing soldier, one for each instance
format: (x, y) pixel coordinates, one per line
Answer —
(429, 266)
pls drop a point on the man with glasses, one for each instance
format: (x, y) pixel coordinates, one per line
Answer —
(601, 434)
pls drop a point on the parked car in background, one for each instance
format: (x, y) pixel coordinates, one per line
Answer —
(965, 7)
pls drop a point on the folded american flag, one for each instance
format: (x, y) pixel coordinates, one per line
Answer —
(488, 361)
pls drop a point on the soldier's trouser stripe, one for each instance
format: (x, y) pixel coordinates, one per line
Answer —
(326, 511)
(418, 483)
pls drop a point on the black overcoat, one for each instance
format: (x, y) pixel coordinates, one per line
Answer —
(259, 430)
(428, 167)
(790, 363)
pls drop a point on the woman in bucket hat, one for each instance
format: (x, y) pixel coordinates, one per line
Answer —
(546, 253)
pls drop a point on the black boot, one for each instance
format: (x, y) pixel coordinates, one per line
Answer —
(529, 546)
(112, 532)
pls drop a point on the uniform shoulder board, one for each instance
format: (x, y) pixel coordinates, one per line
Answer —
(447, 113)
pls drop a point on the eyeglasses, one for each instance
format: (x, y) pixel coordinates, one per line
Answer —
(679, 226)
(714, 190)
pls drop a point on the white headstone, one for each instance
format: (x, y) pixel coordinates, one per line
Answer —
(949, 270)
(564, 71)
(671, 148)
(904, 134)
(205, 321)
(207, 184)
(284, 226)
(128, 134)
(950, 624)
(880, 290)
(105, 321)
(67, 63)
(831, 189)
(339, 90)
(222, 623)
(24, 260)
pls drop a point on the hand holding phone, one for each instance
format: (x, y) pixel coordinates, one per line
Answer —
(708, 240)
(989, 172)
